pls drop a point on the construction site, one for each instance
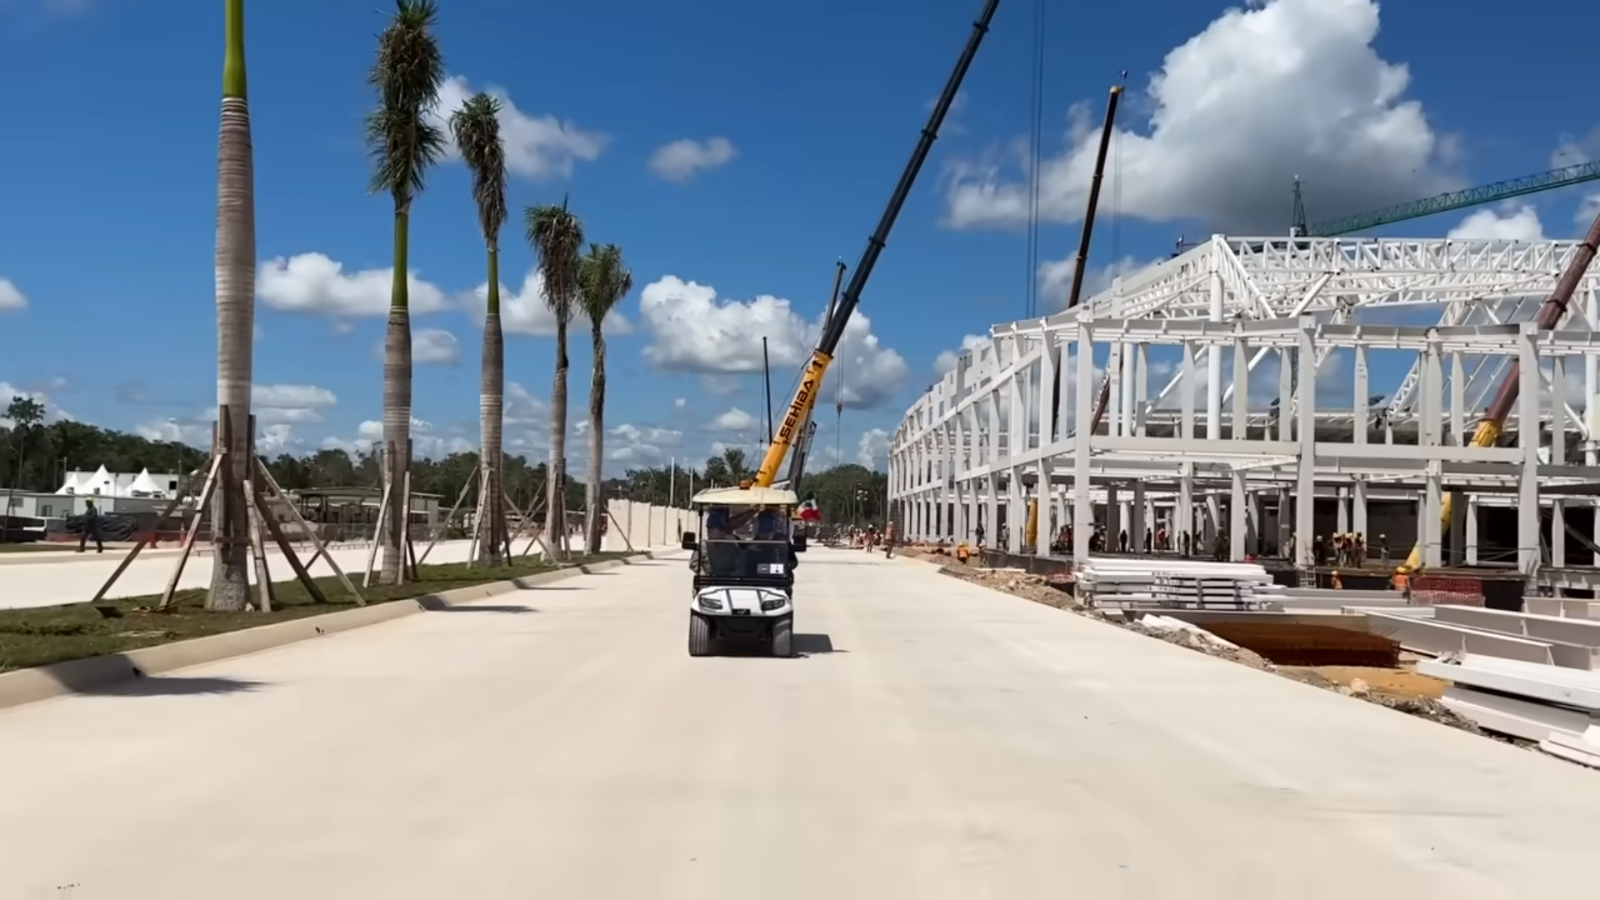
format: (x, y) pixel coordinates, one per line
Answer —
(1325, 447)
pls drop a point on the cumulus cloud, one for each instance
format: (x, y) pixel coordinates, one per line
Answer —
(524, 311)
(682, 160)
(692, 330)
(536, 146)
(39, 393)
(945, 362)
(640, 445)
(311, 283)
(11, 297)
(872, 451)
(278, 408)
(429, 346)
(1514, 223)
(1055, 279)
(1266, 93)
(735, 419)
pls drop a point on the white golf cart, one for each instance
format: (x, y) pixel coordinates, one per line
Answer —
(743, 569)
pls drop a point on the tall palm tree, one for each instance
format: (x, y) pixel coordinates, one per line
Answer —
(603, 280)
(236, 314)
(402, 143)
(476, 127)
(556, 236)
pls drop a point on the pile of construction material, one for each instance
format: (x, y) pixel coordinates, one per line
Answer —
(1530, 676)
(1165, 583)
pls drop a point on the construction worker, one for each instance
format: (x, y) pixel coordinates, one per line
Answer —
(888, 540)
(91, 528)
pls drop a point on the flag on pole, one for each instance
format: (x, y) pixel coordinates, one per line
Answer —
(809, 512)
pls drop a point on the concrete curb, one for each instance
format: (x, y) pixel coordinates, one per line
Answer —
(96, 674)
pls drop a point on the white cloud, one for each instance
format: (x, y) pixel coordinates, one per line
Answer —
(429, 346)
(682, 160)
(1280, 89)
(735, 419)
(680, 403)
(1516, 223)
(1573, 149)
(11, 297)
(872, 450)
(278, 409)
(1588, 211)
(691, 330)
(536, 146)
(640, 445)
(313, 283)
(426, 440)
(945, 362)
(1055, 279)
(525, 311)
(52, 413)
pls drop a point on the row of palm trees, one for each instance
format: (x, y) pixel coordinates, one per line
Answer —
(404, 141)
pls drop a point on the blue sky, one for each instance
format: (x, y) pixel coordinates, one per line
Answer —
(107, 185)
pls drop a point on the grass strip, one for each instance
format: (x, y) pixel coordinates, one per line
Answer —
(52, 634)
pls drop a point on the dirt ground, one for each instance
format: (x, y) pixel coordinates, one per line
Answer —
(1402, 684)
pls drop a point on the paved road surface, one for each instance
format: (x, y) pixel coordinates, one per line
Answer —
(955, 743)
(75, 578)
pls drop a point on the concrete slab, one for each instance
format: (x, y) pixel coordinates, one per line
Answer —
(75, 580)
(955, 743)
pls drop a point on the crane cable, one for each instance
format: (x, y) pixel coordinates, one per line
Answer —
(1035, 154)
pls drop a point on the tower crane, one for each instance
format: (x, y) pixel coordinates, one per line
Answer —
(1566, 176)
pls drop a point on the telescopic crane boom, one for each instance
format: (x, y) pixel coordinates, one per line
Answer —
(798, 414)
(802, 447)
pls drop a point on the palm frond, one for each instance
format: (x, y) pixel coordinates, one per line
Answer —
(476, 127)
(402, 141)
(603, 280)
(556, 236)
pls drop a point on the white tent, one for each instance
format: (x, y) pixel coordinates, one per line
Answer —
(71, 485)
(144, 486)
(100, 483)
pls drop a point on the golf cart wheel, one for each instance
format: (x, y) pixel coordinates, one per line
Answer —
(783, 638)
(699, 635)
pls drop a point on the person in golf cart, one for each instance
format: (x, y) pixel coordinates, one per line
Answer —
(738, 543)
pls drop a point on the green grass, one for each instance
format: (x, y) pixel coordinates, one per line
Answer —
(51, 634)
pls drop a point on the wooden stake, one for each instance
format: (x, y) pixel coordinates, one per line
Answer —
(206, 493)
(308, 531)
(408, 554)
(538, 538)
(172, 507)
(460, 499)
(380, 529)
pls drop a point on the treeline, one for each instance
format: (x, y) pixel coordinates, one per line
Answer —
(37, 456)
(847, 494)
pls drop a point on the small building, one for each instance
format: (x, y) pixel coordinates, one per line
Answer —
(351, 513)
(143, 485)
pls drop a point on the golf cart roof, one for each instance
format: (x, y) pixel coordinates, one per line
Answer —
(750, 496)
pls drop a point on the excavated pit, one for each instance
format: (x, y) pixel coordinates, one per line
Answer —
(1309, 645)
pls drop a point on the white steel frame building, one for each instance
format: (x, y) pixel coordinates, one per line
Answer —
(1215, 453)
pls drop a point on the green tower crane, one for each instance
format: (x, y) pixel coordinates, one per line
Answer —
(1565, 176)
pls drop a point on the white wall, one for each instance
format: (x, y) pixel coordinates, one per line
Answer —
(647, 525)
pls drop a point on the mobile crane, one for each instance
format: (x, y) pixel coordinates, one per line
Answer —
(797, 418)
(1494, 418)
(1075, 293)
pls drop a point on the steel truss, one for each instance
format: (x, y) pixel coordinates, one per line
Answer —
(1455, 306)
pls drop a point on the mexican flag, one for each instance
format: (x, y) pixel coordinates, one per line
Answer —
(809, 512)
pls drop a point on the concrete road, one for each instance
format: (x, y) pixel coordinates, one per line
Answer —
(75, 578)
(937, 741)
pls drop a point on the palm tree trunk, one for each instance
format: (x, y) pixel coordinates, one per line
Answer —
(236, 311)
(491, 421)
(593, 498)
(555, 514)
(397, 401)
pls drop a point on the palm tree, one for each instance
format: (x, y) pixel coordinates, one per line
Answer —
(733, 459)
(476, 126)
(603, 280)
(236, 315)
(556, 236)
(402, 143)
